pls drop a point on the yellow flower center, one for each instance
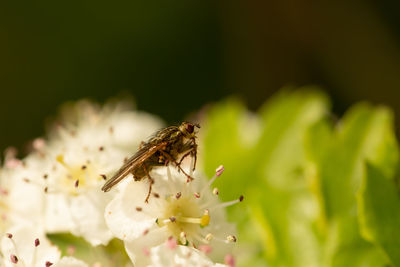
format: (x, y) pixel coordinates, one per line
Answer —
(78, 177)
(183, 215)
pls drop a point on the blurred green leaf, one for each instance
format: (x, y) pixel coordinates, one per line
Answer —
(264, 158)
(111, 255)
(364, 133)
(337, 159)
(299, 174)
(379, 213)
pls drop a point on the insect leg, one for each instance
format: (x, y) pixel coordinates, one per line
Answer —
(184, 156)
(193, 153)
(151, 181)
(168, 156)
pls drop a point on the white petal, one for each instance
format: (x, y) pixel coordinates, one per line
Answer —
(122, 216)
(162, 256)
(88, 210)
(24, 237)
(138, 249)
(130, 128)
(70, 262)
(58, 214)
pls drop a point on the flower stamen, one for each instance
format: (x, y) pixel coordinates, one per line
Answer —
(218, 173)
(228, 203)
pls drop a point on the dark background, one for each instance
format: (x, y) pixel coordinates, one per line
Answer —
(174, 57)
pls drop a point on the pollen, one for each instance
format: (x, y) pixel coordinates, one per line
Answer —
(60, 159)
(205, 220)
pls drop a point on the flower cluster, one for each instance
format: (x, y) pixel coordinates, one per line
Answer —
(56, 190)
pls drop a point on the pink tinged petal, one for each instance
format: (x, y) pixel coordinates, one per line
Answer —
(146, 251)
(134, 248)
(13, 163)
(171, 243)
(205, 248)
(38, 143)
(71, 250)
(229, 260)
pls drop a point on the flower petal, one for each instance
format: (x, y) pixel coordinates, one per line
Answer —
(70, 262)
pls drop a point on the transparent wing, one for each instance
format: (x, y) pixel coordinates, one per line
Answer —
(132, 163)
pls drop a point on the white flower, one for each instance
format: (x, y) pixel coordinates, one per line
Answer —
(20, 201)
(115, 124)
(84, 148)
(169, 254)
(70, 262)
(27, 246)
(187, 211)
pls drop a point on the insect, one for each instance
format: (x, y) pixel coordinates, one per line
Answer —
(166, 146)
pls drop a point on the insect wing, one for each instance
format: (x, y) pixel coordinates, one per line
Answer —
(134, 162)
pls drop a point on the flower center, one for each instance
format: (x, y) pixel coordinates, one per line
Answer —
(183, 215)
(78, 177)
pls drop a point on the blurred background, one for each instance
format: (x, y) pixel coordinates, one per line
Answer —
(175, 58)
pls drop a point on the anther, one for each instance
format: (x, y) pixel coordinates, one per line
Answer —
(172, 219)
(9, 235)
(46, 189)
(101, 148)
(26, 180)
(215, 191)
(60, 159)
(156, 195)
(13, 258)
(83, 167)
(37, 242)
(182, 238)
(241, 198)
(205, 219)
(48, 263)
(103, 176)
(178, 195)
(209, 237)
(145, 232)
(197, 195)
(219, 170)
(138, 209)
(45, 176)
(77, 183)
(231, 239)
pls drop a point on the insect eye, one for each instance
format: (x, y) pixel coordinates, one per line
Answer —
(189, 128)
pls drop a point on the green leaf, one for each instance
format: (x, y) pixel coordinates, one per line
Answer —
(111, 255)
(379, 213)
(364, 133)
(264, 159)
(337, 160)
